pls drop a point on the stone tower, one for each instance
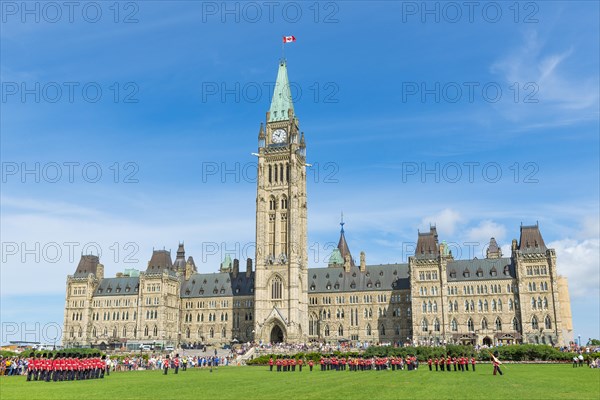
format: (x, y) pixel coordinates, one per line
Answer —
(281, 300)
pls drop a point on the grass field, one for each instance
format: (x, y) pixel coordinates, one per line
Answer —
(518, 382)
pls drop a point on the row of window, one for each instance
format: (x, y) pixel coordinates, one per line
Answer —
(537, 270)
(428, 275)
(482, 289)
(533, 287)
(483, 306)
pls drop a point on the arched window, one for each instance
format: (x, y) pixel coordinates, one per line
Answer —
(429, 307)
(326, 330)
(510, 305)
(485, 305)
(382, 330)
(368, 329)
(155, 332)
(341, 331)
(498, 325)
(276, 288)
(540, 303)
(424, 307)
(223, 333)
(455, 306)
(470, 325)
(494, 307)
(484, 324)
(435, 306)
(424, 325)
(480, 306)
(515, 324)
(545, 303)
(124, 331)
(548, 322)
(499, 305)
(211, 333)
(466, 305)
(146, 331)
(436, 325)
(534, 323)
(454, 325)
(533, 303)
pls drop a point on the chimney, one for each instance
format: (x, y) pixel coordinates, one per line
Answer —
(248, 267)
(363, 263)
(100, 271)
(236, 267)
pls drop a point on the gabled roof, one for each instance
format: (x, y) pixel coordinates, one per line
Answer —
(376, 277)
(480, 269)
(88, 264)
(531, 240)
(161, 260)
(121, 286)
(220, 284)
(427, 244)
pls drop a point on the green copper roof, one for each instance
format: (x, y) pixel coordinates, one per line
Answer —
(336, 257)
(282, 96)
(226, 264)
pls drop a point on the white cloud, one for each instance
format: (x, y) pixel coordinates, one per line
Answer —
(446, 221)
(562, 96)
(578, 261)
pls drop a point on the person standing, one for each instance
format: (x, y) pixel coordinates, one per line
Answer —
(429, 362)
(176, 363)
(271, 364)
(496, 364)
(473, 361)
(166, 365)
(311, 364)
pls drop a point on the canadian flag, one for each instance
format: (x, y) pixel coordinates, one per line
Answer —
(288, 39)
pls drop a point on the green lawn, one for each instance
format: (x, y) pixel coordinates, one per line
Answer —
(518, 382)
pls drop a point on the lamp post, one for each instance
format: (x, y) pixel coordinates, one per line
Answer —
(579, 341)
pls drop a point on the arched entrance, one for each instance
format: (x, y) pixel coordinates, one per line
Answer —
(487, 341)
(276, 334)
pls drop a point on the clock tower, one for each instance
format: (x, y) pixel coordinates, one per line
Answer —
(281, 299)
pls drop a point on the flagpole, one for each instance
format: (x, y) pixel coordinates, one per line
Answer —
(283, 49)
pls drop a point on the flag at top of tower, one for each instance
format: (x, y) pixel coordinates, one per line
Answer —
(288, 39)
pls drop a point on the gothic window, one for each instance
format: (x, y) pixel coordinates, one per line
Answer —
(368, 329)
(455, 305)
(545, 303)
(424, 307)
(499, 305)
(424, 325)
(540, 303)
(485, 305)
(270, 174)
(548, 322)
(534, 323)
(155, 331)
(124, 331)
(223, 333)
(480, 306)
(454, 325)
(211, 333)
(435, 308)
(276, 288)
(470, 325)
(494, 307)
(533, 303)
(484, 324)
(382, 330)
(510, 305)
(466, 306)
(498, 325)
(146, 331)
(341, 331)
(515, 324)
(436, 325)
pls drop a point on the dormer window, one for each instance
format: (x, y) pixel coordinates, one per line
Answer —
(312, 287)
(479, 273)
(453, 274)
(337, 286)
(466, 274)
(493, 272)
(506, 270)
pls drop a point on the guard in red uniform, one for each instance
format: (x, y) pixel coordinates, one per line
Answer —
(176, 363)
(473, 361)
(429, 362)
(300, 362)
(271, 364)
(166, 363)
(311, 364)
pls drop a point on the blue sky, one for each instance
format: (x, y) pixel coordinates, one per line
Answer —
(385, 92)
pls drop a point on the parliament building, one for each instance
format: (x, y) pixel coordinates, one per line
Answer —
(432, 299)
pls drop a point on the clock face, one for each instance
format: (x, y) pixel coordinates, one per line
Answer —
(278, 136)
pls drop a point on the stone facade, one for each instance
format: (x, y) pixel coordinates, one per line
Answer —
(431, 299)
